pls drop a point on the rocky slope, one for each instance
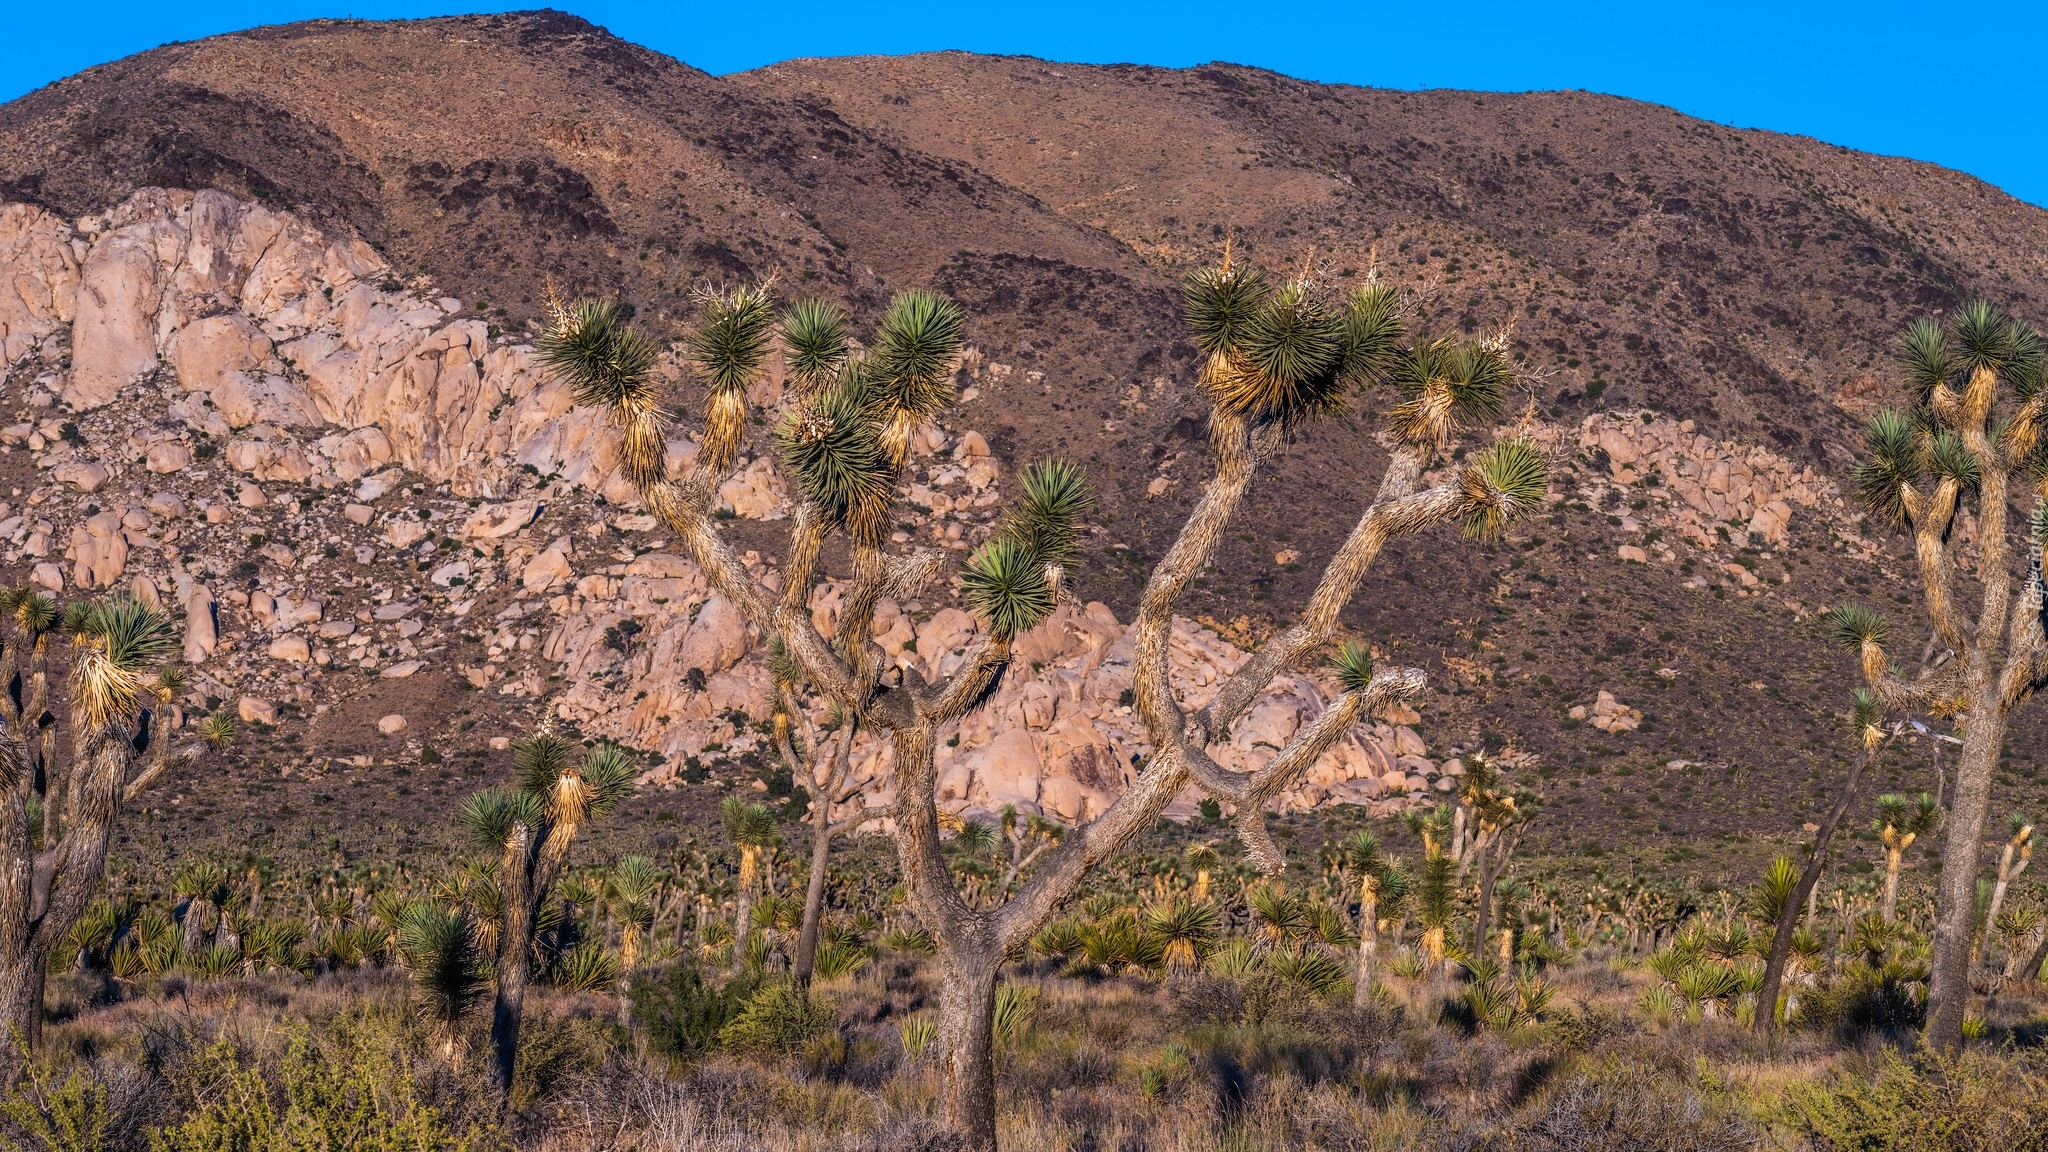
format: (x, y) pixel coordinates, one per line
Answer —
(264, 328)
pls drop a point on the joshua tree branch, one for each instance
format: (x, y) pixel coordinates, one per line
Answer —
(1340, 579)
(1932, 516)
(157, 767)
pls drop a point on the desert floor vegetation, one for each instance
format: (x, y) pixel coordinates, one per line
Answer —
(1620, 1021)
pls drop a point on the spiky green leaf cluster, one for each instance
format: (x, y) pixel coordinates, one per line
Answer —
(1372, 335)
(1503, 484)
(592, 345)
(555, 789)
(1854, 625)
(914, 354)
(1288, 353)
(746, 823)
(1978, 335)
(1906, 814)
(1773, 892)
(540, 760)
(1005, 584)
(1446, 381)
(494, 814)
(1865, 712)
(1895, 463)
(730, 346)
(829, 444)
(1054, 497)
(1948, 458)
(132, 635)
(814, 338)
(440, 949)
(1218, 301)
(1352, 664)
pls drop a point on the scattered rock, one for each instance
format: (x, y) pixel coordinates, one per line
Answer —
(399, 672)
(497, 521)
(168, 456)
(256, 710)
(250, 496)
(391, 725)
(291, 647)
(83, 475)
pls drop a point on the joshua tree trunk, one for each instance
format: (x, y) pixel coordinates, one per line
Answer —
(21, 999)
(1888, 906)
(966, 1038)
(743, 903)
(823, 830)
(1476, 856)
(2030, 970)
(1809, 879)
(1948, 992)
(515, 958)
(1368, 940)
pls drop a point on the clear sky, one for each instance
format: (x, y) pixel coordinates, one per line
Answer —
(1961, 86)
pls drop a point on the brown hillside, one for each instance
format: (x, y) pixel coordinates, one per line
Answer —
(1748, 281)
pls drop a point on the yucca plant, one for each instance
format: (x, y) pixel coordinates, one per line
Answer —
(751, 829)
(1900, 821)
(1974, 435)
(1783, 898)
(2013, 858)
(55, 841)
(1189, 928)
(528, 829)
(438, 947)
(588, 967)
(1274, 359)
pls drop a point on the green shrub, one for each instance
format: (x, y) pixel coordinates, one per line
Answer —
(682, 1010)
(1975, 1101)
(778, 1019)
(354, 1088)
(47, 1115)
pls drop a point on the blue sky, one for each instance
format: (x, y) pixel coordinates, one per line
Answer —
(1881, 77)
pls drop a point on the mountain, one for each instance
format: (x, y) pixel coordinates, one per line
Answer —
(1702, 314)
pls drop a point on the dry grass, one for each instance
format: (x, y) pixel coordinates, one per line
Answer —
(1121, 1063)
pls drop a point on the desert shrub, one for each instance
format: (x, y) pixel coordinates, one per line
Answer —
(778, 1019)
(82, 1108)
(352, 1088)
(682, 1010)
(1967, 1103)
(1861, 999)
(1622, 1107)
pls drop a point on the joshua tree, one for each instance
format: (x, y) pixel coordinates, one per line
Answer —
(120, 738)
(1275, 358)
(2013, 860)
(530, 828)
(1900, 821)
(1977, 430)
(751, 828)
(1783, 903)
(1029, 837)
(1497, 817)
(834, 754)
(1379, 880)
(1436, 902)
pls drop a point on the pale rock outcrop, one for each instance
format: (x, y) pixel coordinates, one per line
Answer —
(210, 351)
(547, 568)
(38, 278)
